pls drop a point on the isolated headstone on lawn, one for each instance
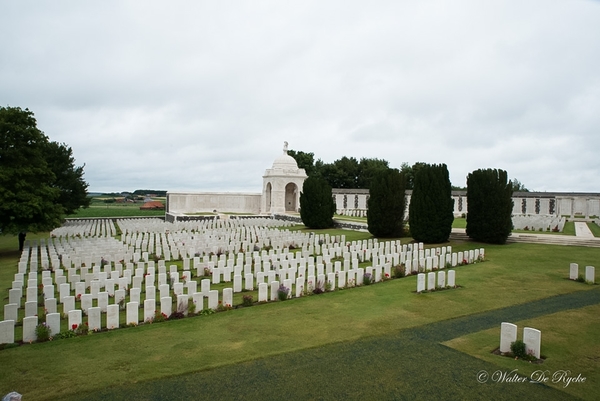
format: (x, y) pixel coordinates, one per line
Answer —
(590, 274)
(533, 341)
(508, 335)
(573, 271)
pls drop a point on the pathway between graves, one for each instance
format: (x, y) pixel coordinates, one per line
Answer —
(582, 230)
(409, 364)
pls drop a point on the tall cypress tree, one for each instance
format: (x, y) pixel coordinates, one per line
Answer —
(431, 205)
(490, 204)
(316, 203)
(386, 204)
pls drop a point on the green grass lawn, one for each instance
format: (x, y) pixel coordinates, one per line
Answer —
(594, 228)
(513, 274)
(565, 346)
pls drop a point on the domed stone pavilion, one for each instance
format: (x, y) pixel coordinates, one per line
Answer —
(282, 184)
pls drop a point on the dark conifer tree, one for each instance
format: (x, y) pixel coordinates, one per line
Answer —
(490, 204)
(431, 209)
(386, 204)
(316, 203)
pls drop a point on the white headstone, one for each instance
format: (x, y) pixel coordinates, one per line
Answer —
(29, 324)
(508, 335)
(112, 316)
(31, 308)
(262, 292)
(149, 309)
(451, 278)
(590, 274)
(441, 279)
(74, 318)
(430, 281)
(213, 299)
(53, 322)
(166, 305)
(421, 282)
(94, 314)
(7, 332)
(533, 341)
(573, 271)
(133, 315)
(10, 312)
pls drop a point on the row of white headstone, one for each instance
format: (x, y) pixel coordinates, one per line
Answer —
(590, 273)
(429, 282)
(531, 337)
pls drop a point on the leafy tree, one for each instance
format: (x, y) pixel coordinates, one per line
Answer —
(431, 209)
(518, 186)
(410, 172)
(39, 183)
(342, 173)
(316, 203)
(489, 198)
(368, 168)
(386, 204)
(305, 160)
(68, 177)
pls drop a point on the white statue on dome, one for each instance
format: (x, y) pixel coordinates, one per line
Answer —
(285, 147)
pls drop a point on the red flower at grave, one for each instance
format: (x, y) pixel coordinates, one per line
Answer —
(74, 327)
(387, 275)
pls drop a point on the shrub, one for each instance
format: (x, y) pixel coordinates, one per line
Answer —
(42, 332)
(518, 349)
(176, 315)
(247, 300)
(191, 309)
(159, 317)
(82, 329)
(283, 292)
(367, 279)
(399, 271)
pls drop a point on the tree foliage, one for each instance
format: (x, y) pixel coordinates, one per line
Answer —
(39, 182)
(431, 209)
(518, 186)
(347, 172)
(316, 203)
(386, 204)
(489, 199)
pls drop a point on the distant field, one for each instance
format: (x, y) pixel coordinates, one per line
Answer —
(99, 208)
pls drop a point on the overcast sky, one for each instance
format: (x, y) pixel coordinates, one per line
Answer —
(201, 95)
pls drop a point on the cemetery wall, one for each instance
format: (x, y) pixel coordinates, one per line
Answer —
(354, 202)
(200, 202)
